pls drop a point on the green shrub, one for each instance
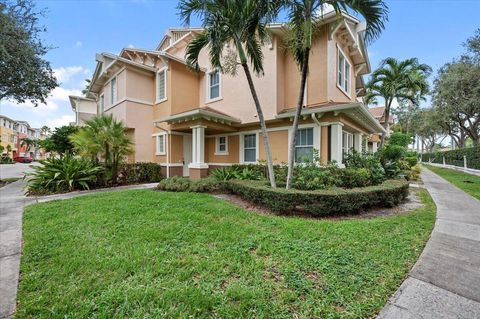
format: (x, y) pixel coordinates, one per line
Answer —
(411, 160)
(5, 159)
(399, 139)
(369, 161)
(355, 177)
(392, 153)
(223, 174)
(320, 202)
(184, 184)
(61, 175)
(139, 173)
(415, 172)
(311, 178)
(247, 172)
(455, 157)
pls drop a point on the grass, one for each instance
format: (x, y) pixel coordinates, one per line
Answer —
(8, 180)
(466, 182)
(139, 254)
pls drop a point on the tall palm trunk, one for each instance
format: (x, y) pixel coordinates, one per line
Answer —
(298, 111)
(266, 141)
(386, 123)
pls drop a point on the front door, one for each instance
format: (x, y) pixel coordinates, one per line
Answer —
(187, 153)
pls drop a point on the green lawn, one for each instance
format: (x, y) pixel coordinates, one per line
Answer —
(146, 254)
(467, 182)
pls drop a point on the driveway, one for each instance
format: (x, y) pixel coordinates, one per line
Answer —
(15, 170)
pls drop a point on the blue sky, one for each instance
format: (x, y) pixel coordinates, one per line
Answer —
(431, 30)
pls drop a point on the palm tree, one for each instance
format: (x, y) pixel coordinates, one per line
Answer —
(103, 138)
(304, 17)
(9, 149)
(243, 24)
(28, 143)
(402, 80)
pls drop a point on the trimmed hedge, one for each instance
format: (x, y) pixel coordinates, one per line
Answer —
(321, 202)
(139, 173)
(184, 184)
(455, 157)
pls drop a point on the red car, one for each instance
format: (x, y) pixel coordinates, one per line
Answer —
(22, 159)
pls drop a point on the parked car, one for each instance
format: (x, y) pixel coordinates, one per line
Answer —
(22, 159)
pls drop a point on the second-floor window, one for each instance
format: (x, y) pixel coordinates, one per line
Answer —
(213, 85)
(113, 91)
(343, 79)
(161, 85)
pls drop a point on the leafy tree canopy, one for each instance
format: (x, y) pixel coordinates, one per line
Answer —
(24, 74)
(60, 140)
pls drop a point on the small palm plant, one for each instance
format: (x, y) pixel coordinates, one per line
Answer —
(243, 24)
(103, 139)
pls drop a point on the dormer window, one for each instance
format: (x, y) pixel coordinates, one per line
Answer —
(343, 78)
(214, 85)
(161, 85)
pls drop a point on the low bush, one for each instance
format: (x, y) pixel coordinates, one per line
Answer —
(5, 159)
(455, 157)
(184, 184)
(62, 175)
(139, 173)
(411, 160)
(246, 172)
(355, 177)
(321, 202)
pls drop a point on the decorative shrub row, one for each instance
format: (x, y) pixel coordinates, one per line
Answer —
(184, 184)
(139, 173)
(321, 202)
(455, 157)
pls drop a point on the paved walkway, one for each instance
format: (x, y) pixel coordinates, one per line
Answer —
(445, 281)
(12, 202)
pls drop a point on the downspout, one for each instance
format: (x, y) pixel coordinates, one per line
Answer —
(314, 118)
(169, 147)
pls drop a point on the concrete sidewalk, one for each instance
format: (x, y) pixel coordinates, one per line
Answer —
(12, 202)
(445, 281)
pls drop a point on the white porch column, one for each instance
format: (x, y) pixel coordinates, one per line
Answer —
(357, 142)
(198, 147)
(336, 143)
(374, 147)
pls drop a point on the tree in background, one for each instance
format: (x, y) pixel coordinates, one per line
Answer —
(243, 24)
(401, 80)
(45, 130)
(28, 143)
(2, 148)
(428, 128)
(59, 141)
(456, 94)
(24, 74)
(304, 19)
(9, 149)
(103, 138)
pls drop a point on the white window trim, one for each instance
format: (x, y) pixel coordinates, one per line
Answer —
(242, 153)
(112, 102)
(313, 141)
(316, 136)
(348, 150)
(217, 146)
(208, 98)
(157, 99)
(157, 144)
(340, 86)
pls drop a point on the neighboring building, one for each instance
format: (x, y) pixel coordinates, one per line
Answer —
(12, 132)
(378, 112)
(192, 122)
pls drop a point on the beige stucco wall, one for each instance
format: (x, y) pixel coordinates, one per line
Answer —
(278, 145)
(185, 88)
(233, 150)
(140, 85)
(334, 92)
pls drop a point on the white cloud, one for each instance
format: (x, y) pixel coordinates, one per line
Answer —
(60, 121)
(64, 74)
(131, 46)
(78, 44)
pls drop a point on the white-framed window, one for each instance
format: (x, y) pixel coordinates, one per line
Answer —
(250, 148)
(343, 78)
(102, 103)
(161, 85)
(213, 85)
(347, 143)
(221, 145)
(304, 145)
(113, 91)
(160, 144)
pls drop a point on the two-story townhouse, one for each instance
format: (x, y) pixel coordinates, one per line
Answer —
(191, 122)
(7, 133)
